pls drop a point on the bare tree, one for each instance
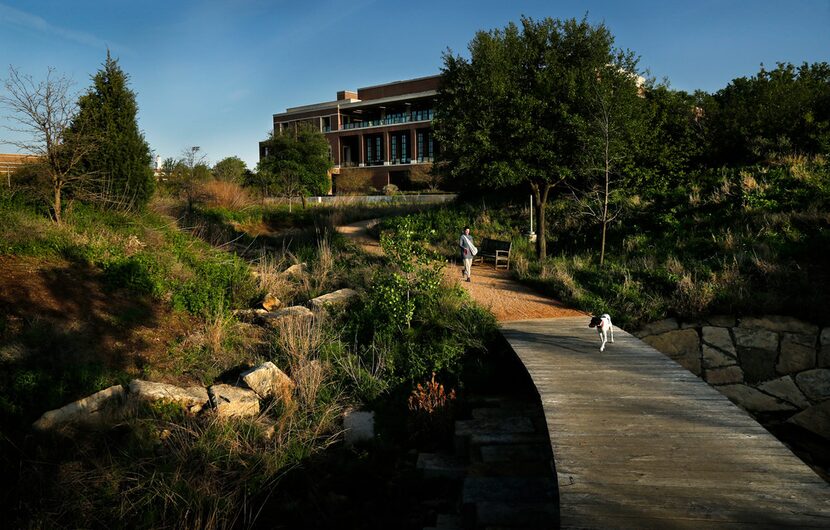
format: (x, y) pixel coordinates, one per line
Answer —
(195, 171)
(43, 112)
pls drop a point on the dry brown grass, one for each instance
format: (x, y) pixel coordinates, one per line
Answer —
(269, 272)
(224, 194)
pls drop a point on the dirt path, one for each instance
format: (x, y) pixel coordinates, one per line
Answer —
(493, 289)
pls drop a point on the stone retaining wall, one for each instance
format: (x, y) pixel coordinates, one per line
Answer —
(772, 366)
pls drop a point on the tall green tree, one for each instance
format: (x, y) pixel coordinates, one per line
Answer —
(776, 112)
(513, 113)
(231, 169)
(298, 163)
(121, 160)
(614, 131)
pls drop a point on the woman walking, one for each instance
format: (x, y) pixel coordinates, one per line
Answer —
(468, 250)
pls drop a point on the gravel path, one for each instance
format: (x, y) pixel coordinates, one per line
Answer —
(493, 289)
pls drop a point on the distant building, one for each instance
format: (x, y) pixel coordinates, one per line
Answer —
(9, 163)
(380, 134)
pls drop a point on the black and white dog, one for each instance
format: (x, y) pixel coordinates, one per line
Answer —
(604, 327)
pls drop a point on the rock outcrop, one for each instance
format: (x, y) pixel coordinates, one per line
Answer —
(268, 381)
(193, 399)
(233, 401)
(89, 411)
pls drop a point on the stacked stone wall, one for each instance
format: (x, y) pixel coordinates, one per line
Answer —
(775, 367)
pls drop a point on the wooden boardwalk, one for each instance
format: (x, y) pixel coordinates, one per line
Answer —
(639, 442)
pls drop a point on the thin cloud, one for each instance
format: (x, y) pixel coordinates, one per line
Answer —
(16, 17)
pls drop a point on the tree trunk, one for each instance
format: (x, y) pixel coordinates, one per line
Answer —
(605, 208)
(541, 197)
(304, 201)
(57, 203)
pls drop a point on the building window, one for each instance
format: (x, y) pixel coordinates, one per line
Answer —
(430, 146)
(394, 148)
(420, 147)
(403, 148)
(369, 151)
(378, 156)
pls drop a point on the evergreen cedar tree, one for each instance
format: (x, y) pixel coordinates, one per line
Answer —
(120, 162)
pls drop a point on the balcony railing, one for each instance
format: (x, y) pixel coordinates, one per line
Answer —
(418, 115)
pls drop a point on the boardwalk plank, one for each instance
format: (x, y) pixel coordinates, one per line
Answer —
(639, 442)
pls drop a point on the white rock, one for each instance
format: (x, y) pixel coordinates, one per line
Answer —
(779, 323)
(753, 400)
(756, 338)
(232, 401)
(193, 398)
(296, 270)
(358, 426)
(268, 381)
(334, 299)
(786, 389)
(91, 410)
(295, 311)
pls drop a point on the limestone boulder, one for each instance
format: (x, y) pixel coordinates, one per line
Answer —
(815, 419)
(719, 338)
(798, 353)
(760, 339)
(268, 381)
(815, 383)
(785, 388)
(779, 324)
(270, 302)
(682, 346)
(825, 337)
(296, 271)
(193, 399)
(89, 411)
(714, 358)
(250, 316)
(657, 328)
(754, 400)
(724, 376)
(233, 401)
(272, 318)
(337, 298)
(358, 426)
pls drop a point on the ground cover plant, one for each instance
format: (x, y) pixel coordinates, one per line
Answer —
(746, 240)
(147, 276)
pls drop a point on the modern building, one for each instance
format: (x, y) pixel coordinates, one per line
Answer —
(378, 135)
(10, 162)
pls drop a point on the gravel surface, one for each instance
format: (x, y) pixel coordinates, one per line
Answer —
(493, 289)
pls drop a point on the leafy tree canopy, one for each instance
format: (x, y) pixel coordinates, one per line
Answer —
(781, 111)
(231, 169)
(298, 159)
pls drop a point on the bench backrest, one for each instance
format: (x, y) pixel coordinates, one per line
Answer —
(492, 245)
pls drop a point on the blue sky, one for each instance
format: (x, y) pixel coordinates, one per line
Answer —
(212, 73)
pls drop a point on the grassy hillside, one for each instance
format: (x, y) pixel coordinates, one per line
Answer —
(106, 297)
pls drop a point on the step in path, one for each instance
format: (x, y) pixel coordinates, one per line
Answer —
(503, 461)
(639, 442)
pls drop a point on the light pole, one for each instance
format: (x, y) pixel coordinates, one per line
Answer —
(531, 236)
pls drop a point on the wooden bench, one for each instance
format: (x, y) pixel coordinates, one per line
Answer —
(498, 251)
